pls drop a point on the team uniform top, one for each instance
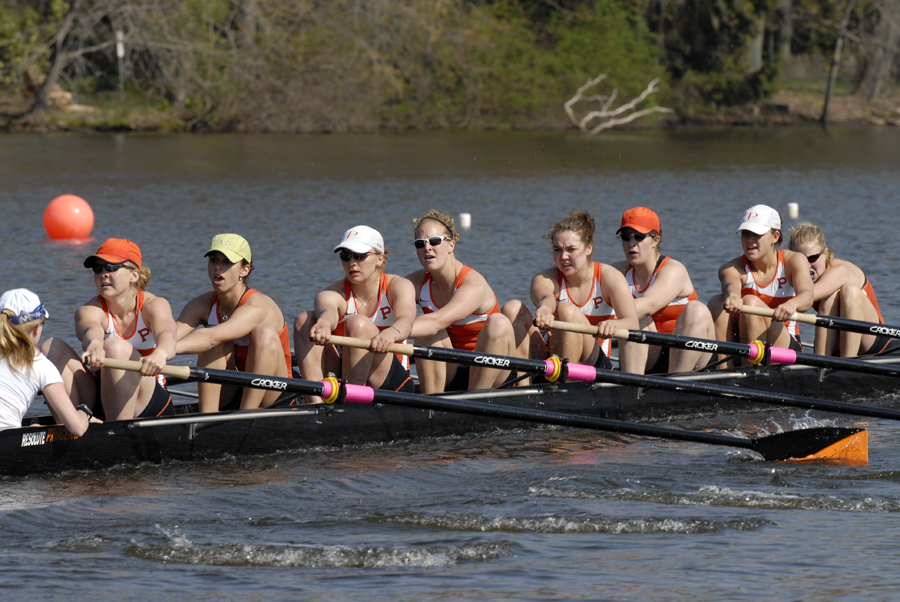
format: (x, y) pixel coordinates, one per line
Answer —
(595, 308)
(774, 293)
(464, 333)
(141, 337)
(242, 345)
(665, 318)
(382, 317)
(18, 389)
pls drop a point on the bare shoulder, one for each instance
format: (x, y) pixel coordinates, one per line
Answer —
(622, 266)
(549, 274)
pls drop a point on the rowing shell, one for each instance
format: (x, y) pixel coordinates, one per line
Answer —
(196, 437)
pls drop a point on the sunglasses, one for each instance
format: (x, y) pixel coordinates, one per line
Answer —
(108, 267)
(345, 255)
(433, 241)
(634, 236)
(813, 258)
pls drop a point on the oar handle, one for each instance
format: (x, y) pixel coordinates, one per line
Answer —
(401, 348)
(622, 333)
(133, 366)
(768, 313)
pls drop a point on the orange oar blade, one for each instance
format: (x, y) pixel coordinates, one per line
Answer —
(832, 443)
(852, 449)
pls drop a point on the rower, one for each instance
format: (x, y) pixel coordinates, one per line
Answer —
(763, 276)
(25, 370)
(580, 290)
(124, 321)
(243, 328)
(366, 304)
(840, 289)
(664, 295)
(460, 310)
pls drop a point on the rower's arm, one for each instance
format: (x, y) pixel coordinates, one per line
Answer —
(544, 291)
(615, 288)
(244, 319)
(670, 283)
(832, 280)
(797, 272)
(329, 306)
(90, 331)
(193, 315)
(730, 279)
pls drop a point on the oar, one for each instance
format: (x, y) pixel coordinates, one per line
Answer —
(554, 370)
(755, 352)
(831, 322)
(849, 444)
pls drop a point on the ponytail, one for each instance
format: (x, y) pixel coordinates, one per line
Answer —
(16, 345)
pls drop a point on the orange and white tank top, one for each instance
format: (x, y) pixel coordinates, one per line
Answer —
(595, 308)
(382, 317)
(241, 346)
(665, 318)
(773, 293)
(464, 333)
(141, 337)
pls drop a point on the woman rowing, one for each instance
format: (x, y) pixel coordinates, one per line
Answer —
(580, 290)
(243, 329)
(24, 370)
(366, 304)
(126, 322)
(664, 295)
(460, 310)
(764, 276)
(840, 289)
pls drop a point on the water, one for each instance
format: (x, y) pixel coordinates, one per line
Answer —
(522, 515)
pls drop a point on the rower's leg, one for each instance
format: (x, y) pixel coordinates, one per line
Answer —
(578, 348)
(497, 338)
(79, 383)
(696, 322)
(638, 354)
(211, 394)
(361, 366)
(853, 306)
(313, 360)
(826, 341)
(725, 325)
(124, 393)
(265, 355)
(529, 342)
(434, 375)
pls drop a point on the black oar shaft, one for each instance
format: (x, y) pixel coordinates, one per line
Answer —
(779, 447)
(834, 322)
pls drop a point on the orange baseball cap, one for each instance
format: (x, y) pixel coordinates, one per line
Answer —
(641, 219)
(115, 250)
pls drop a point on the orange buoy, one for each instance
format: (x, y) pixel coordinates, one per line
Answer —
(68, 216)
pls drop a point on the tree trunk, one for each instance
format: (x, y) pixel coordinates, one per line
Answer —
(835, 61)
(878, 70)
(58, 61)
(785, 32)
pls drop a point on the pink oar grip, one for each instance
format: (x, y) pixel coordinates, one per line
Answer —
(777, 355)
(355, 393)
(581, 373)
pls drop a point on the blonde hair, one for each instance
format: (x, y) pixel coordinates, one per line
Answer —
(580, 222)
(443, 219)
(805, 232)
(16, 345)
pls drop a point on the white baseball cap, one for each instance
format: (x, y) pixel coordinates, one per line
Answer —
(759, 219)
(26, 305)
(361, 239)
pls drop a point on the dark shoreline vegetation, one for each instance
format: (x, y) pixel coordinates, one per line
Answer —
(328, 66)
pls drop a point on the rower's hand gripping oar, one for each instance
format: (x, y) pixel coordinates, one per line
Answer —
(832, 322)
(805, 444)
(756, 352)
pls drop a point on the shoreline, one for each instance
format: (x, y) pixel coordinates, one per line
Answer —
(783, 109)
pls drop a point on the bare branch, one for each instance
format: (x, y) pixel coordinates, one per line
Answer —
(609, 118)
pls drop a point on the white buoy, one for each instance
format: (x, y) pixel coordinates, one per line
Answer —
(793, 210)
(465, 220)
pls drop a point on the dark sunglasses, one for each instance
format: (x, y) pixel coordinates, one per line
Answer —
(634, 236)
(813, 258)
(433, 241)
(345, 255)
(109, 267)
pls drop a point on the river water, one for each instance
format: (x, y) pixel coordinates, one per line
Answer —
(517, 515)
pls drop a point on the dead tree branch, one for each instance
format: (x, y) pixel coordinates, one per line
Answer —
(609, 118)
